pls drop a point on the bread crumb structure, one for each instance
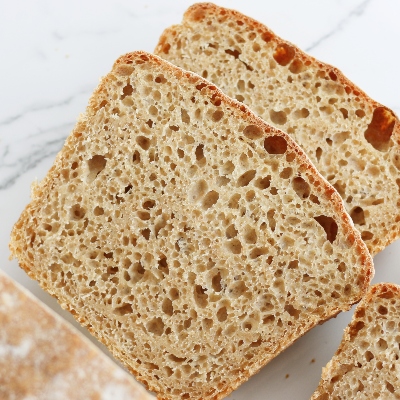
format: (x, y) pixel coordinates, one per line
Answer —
(366, 365)
(352, 140)
(191, 238)
(42, 357)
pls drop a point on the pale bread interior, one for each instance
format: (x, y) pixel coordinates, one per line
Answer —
(192, 239)
(351, 139)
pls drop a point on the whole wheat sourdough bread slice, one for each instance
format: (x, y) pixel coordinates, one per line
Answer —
(366, 364)
(191, 238)
(351, 139)
(42, 357)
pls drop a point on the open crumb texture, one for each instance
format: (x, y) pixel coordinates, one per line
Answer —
(352, 140)
(191, 238)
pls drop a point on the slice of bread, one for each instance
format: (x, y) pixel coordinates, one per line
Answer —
(191, 238)
(42, 357)
(351, 139)
(366, 364)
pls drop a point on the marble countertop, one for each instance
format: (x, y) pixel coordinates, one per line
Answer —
(53, 54)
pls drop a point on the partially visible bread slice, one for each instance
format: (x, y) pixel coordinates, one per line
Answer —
(193, 239)
(351, 139)
(42, 357)
(366, 364)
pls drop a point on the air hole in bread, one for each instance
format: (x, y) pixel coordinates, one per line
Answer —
(271, 219)
(77, 212)
(231, 231)
(98, 211)
(227, 168)
(136, 157)
(216, 282)
(360, 113)
(246, 178)
(240, 98)
(278, 117)
(146, 233)
(238, 289)
(222, 314)
(198, 190)
(357, 215)
(234, 246)
(257, 252)
(286, 173)
(143, 215)
(234, 53)
(127, 91)
(185, 116)
(143, 142)
(382, 310)
(344, 112)
(217, 116)
(207, 324)
(253, 132)
(275, 145)
(155, 326)
(382, 344)
(284, 54)
(167, 307)
(160, 79)
(200, 296)
(318, 153)
(327, 110)
(148, 204)
(302, 113)
(250, 235)
(96, 164)
(267, 36)
(380, 129)
(293, 312)
(163, 265)
(234, 201)
(123, 309)
(210, 199)
(296, 66)
(201, 159)
(329, 225)
(263, 183)
(301, 187)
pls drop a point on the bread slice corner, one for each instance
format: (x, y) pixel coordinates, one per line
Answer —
(366, 364)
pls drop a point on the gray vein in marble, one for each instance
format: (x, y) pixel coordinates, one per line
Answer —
(59, 37)
(356, 12)
(44, 107)
(37, 153)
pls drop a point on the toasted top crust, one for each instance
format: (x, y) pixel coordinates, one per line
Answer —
(41, 357)
(193, 239)
(366, 365)
(353, 140)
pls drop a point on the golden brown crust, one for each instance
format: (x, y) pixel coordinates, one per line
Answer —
(197, 12)
(23, 239)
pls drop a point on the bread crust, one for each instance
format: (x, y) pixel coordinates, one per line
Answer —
(21, 234)
(199, 11)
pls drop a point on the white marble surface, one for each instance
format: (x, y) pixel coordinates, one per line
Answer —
(53, 54)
